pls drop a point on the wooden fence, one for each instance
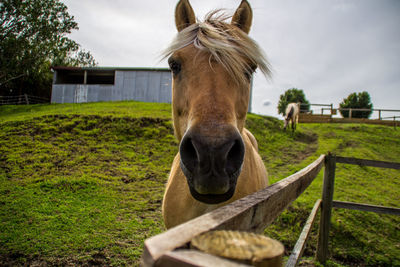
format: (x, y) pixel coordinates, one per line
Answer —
(255, 212)
(333, 111)
(315, 118)
(327, 117)
(328, 202)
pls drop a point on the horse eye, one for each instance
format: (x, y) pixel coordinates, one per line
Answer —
(250, 69)
(174, 66)
(249, 73)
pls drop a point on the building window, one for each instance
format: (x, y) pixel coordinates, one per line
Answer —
(100, 77)
(69, 77)
(85, 77)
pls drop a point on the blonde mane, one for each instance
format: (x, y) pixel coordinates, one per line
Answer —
(228, 45)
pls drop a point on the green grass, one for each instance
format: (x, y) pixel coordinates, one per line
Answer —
(82, 184)
(114, 109)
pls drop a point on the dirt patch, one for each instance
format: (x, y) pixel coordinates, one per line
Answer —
(347, 144)
(331, 134)
(311, 141)
(306, 137)
(306, 153)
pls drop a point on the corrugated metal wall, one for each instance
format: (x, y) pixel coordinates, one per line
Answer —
(141, 85)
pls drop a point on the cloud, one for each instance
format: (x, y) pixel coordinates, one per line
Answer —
(266, 102)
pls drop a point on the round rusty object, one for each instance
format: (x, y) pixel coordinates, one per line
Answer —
(245, 247)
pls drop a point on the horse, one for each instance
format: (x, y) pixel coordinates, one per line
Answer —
(212, 62)
(292, 115)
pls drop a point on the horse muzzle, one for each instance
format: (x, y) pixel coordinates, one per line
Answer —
(212, 163)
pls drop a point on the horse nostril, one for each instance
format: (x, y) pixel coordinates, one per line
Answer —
(235, 157)
(188, 153)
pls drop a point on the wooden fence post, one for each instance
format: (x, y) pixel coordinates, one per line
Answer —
(326, 207)
(26, 99)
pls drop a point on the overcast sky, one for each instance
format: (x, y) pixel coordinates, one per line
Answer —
(327, 48)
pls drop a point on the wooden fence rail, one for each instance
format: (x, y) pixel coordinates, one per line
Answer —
(367, 162)
(298, 249)
(365, 207)
(255, 212)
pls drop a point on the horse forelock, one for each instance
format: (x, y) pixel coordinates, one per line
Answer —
(225, 43)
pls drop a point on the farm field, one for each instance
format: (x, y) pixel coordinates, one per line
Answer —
(82, 184)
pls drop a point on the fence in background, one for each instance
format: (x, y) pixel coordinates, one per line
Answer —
(327, 113)
(23, 100)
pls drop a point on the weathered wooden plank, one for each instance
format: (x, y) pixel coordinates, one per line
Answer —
(366, 207)
(194, 258)
(301, 242)
(251, 213)
(326, 208)
(367, 162)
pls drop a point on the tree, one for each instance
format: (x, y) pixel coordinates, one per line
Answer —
(293, 95)
(357, 100)
(33, 36)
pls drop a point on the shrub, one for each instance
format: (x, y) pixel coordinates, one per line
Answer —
(357, 100)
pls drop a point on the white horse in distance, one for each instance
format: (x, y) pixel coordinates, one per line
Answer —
(292, 115)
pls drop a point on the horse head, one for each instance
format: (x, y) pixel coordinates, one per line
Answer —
(212, 64)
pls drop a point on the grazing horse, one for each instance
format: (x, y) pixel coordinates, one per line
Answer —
(212, 64)
(292, 115)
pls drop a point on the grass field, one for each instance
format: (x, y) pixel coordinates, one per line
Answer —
(82, 184)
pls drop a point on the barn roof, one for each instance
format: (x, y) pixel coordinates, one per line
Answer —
(66, 68)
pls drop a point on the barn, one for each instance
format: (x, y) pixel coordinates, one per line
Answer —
(94, 84)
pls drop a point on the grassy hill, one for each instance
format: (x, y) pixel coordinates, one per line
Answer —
(82, 184)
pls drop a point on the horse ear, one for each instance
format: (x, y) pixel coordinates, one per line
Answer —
(243, 16)
(184, 15)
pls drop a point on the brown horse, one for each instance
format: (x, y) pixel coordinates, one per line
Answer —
(218, 162)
